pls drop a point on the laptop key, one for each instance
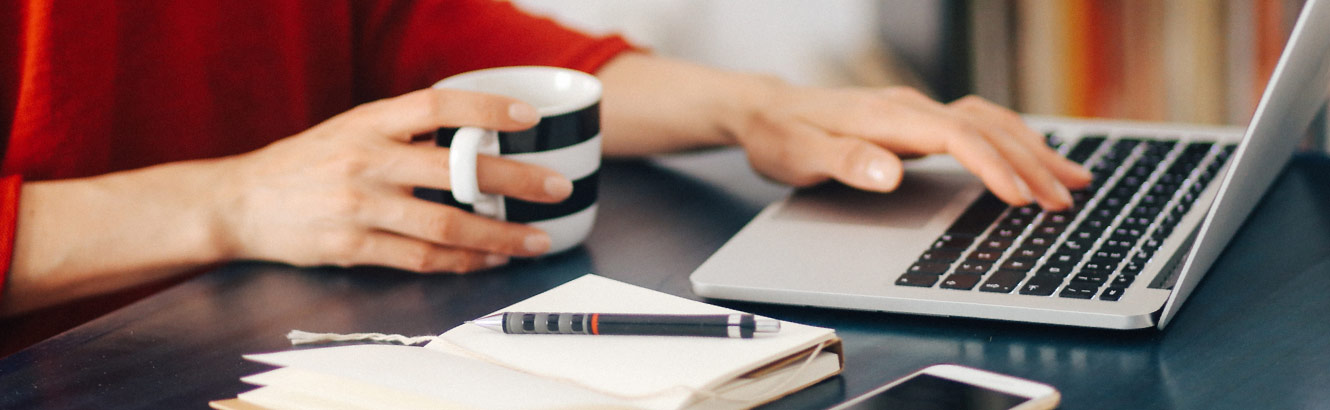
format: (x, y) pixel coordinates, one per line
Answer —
(962, 281)
(984, 256)
(1079, 291)
(1123, 280)
(1054, 269)
(1078, 244)
(1101, 264)
(1005, 233)
(1081, 197)
(1041, 285)
(1151, 243)
(1084, 148)
(1136, 222)
(1128, 232)
(953, 242)
(1098, 224)
(1065, 258)
(931, 268)
(1160, 147)
(1028, 211)
(1042, 240)
(1002, 281)
(1047, 229)
(976, 218)
(1132, 268)
(922, 280)
(972, 266)
(1016, 221)
(1090, 278)
(1110, 254)
(1084, 234)
(1029, 251)
(1112, 246)
(1143, 255)
(1019, 264)
(995, 245)
(940, 255)
(1060, 218)
(1112, 294)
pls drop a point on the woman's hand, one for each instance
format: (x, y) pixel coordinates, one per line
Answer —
(340, 192)
(336, 194)
(804, 136)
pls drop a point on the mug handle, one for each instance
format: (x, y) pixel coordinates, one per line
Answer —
(466, 144)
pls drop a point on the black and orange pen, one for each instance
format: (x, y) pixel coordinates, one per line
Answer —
(738, 325)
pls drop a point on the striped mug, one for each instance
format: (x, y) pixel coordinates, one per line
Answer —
(567, 140)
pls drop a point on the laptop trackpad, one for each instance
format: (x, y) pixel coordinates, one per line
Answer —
(920, 197)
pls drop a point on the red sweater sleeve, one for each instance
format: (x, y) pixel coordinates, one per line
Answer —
(408, 45)
(9, 189)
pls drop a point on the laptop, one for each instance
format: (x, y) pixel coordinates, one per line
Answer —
(1165, 200)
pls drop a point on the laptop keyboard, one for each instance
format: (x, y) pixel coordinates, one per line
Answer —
(1141, 189)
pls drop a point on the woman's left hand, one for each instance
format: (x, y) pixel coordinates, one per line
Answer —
(804, 136)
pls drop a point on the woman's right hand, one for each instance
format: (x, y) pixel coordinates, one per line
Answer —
(340, 193)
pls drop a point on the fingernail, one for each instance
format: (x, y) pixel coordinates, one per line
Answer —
(1025, 191)
(537, 243)
(1084, 173)
(495, 259)
(521, 112)
(558, 187)
(1064, 195)
(877, 171)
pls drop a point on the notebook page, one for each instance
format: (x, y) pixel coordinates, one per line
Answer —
(427, 374)
(631, 367)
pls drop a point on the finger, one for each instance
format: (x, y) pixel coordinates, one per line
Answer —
(928, 126)
(906, 122)
(1067, 172)
(426, 110)
(386, 249)
(851, 161)
(452, 227)
(427, 167)
(1047, 190)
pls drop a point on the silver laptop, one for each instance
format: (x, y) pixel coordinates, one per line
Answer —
(1165, 200)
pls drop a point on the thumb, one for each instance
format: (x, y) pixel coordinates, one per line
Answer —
(859, 164)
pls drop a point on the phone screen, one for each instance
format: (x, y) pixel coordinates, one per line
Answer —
(928, 392)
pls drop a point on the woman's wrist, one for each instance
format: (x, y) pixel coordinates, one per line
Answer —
(654, 105)
(749, 96)
(88, 236)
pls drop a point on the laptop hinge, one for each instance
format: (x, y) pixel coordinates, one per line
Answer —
(1173, 268)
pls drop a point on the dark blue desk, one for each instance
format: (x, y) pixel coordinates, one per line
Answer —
(1254, 335)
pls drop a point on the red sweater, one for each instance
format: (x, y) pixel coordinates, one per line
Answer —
(91, 87)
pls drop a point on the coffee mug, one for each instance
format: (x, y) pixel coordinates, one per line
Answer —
(567, 140)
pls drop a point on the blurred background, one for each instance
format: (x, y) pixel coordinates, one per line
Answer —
(1197, 61)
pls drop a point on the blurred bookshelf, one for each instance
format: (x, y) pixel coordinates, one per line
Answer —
(1194, 61)
(1197, 61)
(1200, 61)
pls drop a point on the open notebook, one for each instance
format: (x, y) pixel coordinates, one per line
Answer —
(473, 367)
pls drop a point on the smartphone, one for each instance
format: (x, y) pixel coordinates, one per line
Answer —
(954, 387)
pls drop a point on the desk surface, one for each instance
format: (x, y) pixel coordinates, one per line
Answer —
(1252, 336)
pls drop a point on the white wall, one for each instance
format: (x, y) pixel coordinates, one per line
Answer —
(824, 42)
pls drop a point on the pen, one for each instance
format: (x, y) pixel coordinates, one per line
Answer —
(732, 325)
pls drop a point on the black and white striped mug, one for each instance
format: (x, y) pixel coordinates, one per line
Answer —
(567, 140)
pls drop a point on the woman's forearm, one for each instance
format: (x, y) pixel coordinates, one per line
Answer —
(654, 104)
(338, 194)
(82, 237)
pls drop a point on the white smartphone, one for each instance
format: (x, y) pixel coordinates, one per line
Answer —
(954, 387)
